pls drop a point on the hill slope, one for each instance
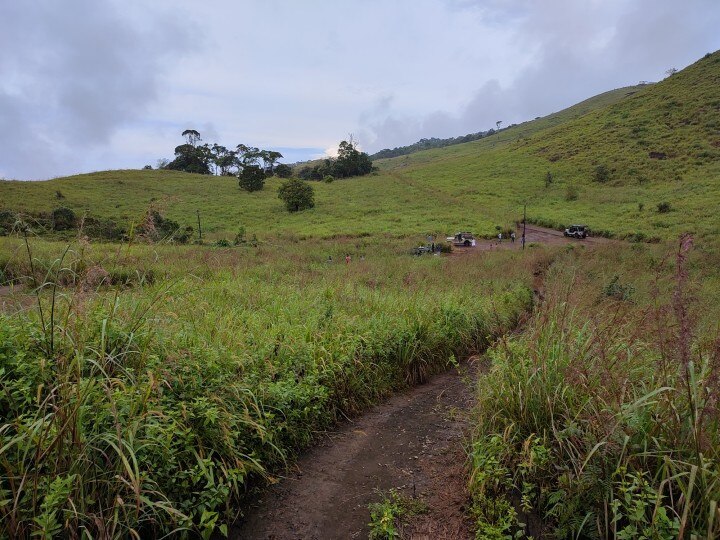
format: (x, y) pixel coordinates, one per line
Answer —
(474, 186)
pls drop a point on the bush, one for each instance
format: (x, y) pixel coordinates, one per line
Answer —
(7, 221)
(104, 229)
(156, 228)
(663, 207)
(619, 291)
(297, 195)
(329, 179)
(252, 178)
(283, 171)
(63, 219)
(602, 174)
(240, 237)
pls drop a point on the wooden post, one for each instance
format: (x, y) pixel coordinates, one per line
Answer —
(524, 222)
(199, 228)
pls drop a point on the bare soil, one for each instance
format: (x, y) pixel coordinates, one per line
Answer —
(412, 443)
(534, 234)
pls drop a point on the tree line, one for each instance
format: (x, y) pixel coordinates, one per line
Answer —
(433, 142)
(217, 159)
(349, 162)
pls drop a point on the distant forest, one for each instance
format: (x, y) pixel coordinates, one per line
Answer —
(426, 144)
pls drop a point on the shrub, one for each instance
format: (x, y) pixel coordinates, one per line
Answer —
(328, 179)
(63, 219)
(619, 291)
(283, 171)
(663, 207)
(252, 178)
(240, 236)
(155, 228)
(104, 229)
(602, 174)
(297, 195)
(7, 220)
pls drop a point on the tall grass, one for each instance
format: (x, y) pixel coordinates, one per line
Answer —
(602, 421)
(149, 408)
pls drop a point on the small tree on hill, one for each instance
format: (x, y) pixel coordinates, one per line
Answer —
(283, 171)
(297, 195)
(251, 178)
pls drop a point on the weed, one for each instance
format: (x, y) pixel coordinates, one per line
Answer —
(387, 516)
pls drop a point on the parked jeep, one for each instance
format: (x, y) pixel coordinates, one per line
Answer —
(577, 231)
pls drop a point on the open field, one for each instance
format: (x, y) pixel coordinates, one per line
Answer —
(150, 388)
(151, 403)
(475, 186)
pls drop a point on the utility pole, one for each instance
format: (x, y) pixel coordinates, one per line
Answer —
(199, 228)
(524, 222)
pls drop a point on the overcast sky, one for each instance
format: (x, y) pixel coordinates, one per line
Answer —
(89, 85)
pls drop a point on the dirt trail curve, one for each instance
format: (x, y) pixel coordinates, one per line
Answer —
(413, 443)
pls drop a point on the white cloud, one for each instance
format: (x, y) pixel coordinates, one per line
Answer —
(90, 85)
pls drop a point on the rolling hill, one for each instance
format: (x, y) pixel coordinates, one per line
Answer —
(658, 144)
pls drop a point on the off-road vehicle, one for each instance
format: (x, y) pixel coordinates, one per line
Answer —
(577, 231)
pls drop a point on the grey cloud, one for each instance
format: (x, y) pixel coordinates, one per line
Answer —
(75, 72)
(574, 51)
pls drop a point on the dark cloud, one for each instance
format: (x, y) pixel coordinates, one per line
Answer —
(573, 50)
(75, 72)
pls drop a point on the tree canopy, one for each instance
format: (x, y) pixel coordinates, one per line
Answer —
(251, 178)
(217, 159)
(297, 195)
(349, 162)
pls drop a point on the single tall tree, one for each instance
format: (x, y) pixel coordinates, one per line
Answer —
(192, 137)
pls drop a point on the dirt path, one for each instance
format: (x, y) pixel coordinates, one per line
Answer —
(412, 443)
(534, 234)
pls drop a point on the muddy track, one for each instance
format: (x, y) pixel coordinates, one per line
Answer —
(412, 443)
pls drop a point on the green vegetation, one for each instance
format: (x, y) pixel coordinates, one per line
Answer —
(349, 162)
(297, 195)
(601, 420)
(252, 178)
(156, 383)
(387, 516)
(146, 388)
(468, 186)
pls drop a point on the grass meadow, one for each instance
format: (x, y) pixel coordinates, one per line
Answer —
(146, 389)
(601, 420)
(474, 186)
(151, 389)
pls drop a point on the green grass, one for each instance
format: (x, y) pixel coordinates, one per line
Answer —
(473, 186)
(601, 420)
(155, 383)
(153, 404)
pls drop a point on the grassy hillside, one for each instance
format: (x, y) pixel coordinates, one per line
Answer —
(473, 186)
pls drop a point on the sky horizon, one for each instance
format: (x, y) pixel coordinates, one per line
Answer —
(88, 86)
